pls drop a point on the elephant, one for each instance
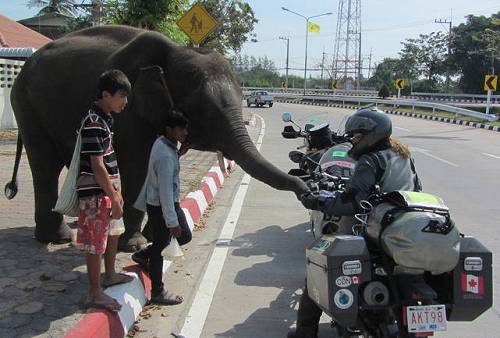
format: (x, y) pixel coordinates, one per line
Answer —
(57, 85)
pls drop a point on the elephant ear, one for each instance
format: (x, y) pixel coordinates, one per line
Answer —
(150, 97)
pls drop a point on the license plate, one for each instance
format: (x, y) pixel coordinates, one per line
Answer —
(426, 318)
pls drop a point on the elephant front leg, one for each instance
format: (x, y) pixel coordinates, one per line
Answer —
(50, 225)
(132, 240)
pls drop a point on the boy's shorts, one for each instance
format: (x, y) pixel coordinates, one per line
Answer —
(95, 224)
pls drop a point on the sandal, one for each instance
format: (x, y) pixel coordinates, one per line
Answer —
(109, 305)
(166, 298)
(120, 278)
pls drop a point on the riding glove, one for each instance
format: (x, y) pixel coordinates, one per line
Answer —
(310, 201)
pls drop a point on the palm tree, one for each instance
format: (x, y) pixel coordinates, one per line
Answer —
(65, 7)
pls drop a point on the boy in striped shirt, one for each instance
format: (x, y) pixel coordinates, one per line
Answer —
(99, 192)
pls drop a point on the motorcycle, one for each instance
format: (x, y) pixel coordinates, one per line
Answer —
(326, 157)
(403, 270)
(317, 140)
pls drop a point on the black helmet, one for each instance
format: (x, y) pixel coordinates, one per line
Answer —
(375, 126)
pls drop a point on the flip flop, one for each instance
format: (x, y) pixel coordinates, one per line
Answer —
(103, 305)
(167, 298)
(124, 278)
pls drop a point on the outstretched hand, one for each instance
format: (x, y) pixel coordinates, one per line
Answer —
(310, 200)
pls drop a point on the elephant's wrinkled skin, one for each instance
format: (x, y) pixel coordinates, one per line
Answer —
(57, 84)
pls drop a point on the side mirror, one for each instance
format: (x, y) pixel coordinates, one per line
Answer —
(289, 132)
(286, 117)
(295, 156)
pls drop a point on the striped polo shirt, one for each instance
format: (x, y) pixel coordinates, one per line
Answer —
(97, 140)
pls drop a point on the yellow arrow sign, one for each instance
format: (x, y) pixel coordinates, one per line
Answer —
(400, 83)
(490, 82)
(334, 84)
(284, 84)
(197, 23)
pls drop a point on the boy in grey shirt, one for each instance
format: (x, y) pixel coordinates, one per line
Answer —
(159, 197)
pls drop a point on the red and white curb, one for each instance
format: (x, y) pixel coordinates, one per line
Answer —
(134, 295)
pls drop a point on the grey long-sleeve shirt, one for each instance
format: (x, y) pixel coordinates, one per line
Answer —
(386, 168)
(161, 187)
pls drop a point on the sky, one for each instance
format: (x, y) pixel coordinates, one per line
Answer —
(384, 25)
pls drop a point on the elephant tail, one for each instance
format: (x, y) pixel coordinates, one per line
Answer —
(11, 187)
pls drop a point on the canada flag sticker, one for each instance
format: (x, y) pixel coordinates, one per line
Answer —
(473, 284)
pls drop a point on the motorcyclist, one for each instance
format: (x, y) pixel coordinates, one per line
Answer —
(383, 161)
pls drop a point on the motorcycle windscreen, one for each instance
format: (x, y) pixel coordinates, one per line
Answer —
(336, 161)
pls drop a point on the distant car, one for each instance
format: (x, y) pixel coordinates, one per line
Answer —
(259, 99)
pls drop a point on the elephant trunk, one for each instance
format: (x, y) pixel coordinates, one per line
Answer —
(240, 148)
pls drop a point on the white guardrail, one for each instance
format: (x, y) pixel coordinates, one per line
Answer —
(248, 90)
(395, 102)
(448, 97)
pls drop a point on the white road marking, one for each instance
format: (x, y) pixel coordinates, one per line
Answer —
(197, 315)
(490, 155)
(403, 129)
(427, 153)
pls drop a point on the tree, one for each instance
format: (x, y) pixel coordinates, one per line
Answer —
(385, 72)
(236, 22)
(425, 56)
(65, 7)
(78, 23)
(255, 72)
(384, 91)
(475, 46)
(158, 15)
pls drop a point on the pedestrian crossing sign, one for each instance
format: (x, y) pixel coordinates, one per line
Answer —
(197, 23)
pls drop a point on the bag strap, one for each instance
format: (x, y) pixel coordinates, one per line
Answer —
(89, 115)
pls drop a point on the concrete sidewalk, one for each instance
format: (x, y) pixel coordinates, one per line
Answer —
(43, 287)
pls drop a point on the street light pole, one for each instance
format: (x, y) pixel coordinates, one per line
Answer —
(307, 36)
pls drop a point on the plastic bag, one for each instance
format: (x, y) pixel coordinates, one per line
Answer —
(173, 250)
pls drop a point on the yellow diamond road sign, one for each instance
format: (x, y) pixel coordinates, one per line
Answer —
(197, 23)
(400, 83)
(490, 82)
(334, 84)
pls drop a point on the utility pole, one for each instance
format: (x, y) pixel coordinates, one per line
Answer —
(322, 66)
(360, 63)
(370, 63)
(287, 54)
(450, 23)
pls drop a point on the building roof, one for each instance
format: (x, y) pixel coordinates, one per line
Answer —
(49, 19)
(16, 35)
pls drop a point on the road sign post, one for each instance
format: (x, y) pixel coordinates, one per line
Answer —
(400, 84)
(334, 85)
(490, 85)
(488, 102)
(197, 24)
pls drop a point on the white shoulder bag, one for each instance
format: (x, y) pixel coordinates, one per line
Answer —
(67, 202)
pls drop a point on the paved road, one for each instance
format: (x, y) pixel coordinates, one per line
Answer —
(257, 277)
